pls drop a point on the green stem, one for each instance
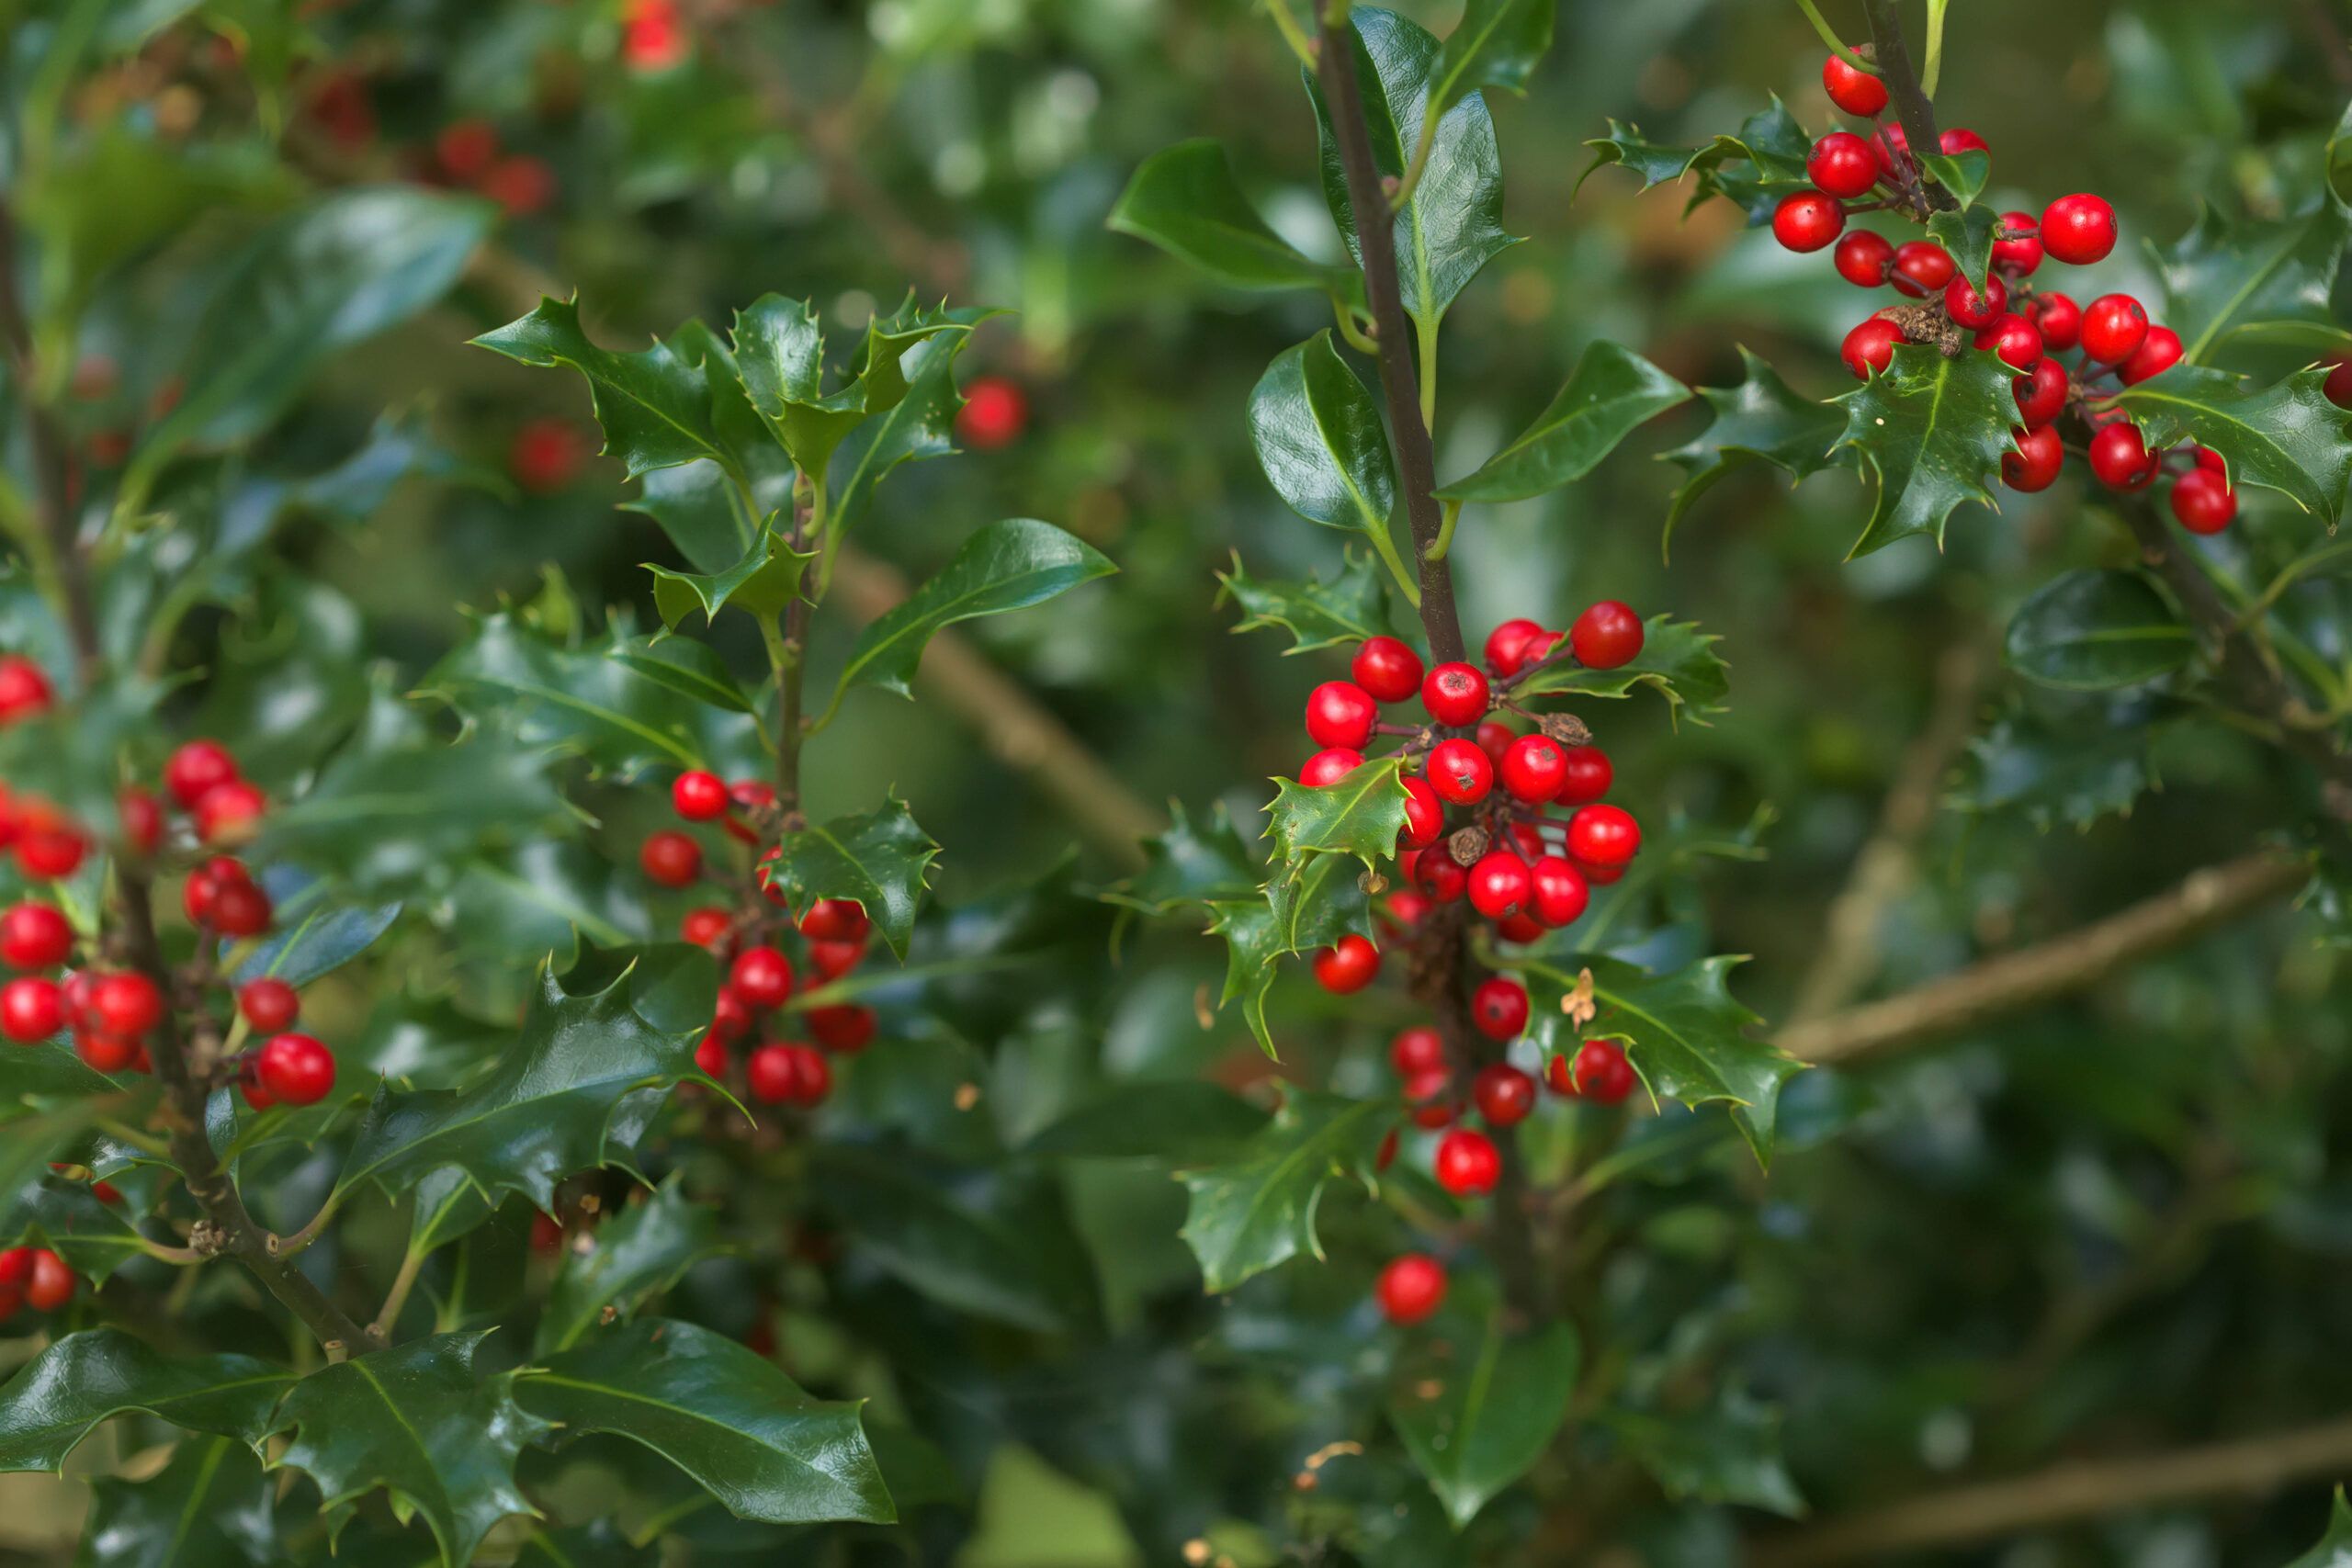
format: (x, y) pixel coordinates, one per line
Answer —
(1934, 69)
(1396, 567)
(1444, 540)
(1353, 335)
(411, 1264)
(1412, 178)
(1829, 36)
(1292, 34)
(1426, 330)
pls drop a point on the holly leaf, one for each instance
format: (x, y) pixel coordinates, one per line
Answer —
(1360, 814)
(1682, 1031)
(421, 1423)
(1762, 420)
(1728, 1452)
(1967, 234)
(879, 858)
(63, 1393)
(2091, 631)
(1963, 173)
(548, 1106)
(1320, 441)
(1174, 1122)
(1315, 900)
(2287, 436)
(1934, 430)
(1626, 148)
(780, 350)
(2265, 279)
(724, 1414)
(1484, 1415)
(1610, 393)
(65, 1217)
(210, 1506)
(637, 1255)
(1008, 565)
(2091, 760)
(1349, 607)
(1188, 864)
(761, 584)
(1248, 927)
(920, 424)
(1677, 662)
(1759, 165)
(1185, 200)
(1246, 1216)
(315, 935)
(654, 404)
(1495, 44)
(1452, 225)
(2334, 1548)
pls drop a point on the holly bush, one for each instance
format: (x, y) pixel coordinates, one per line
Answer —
(650, 920)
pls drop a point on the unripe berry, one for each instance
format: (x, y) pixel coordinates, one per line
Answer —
(1601, 1073)
(196, 769)
(35, 936)
(1340, 714)
(2120, 458)
(2013, 341)
(1467, 1163)
(2041, 397)
(1506, 648)
(1498, 885)
(269, 1004)
(1424, 815)
(1503, 1094)
(1557, 891)
(2113, 326)
(704, 926)
(1587, 775)
(1455, 693)
(699, 797)
(1856, 92)
(1864, 259)
(1921, 268)
(2079, 230)
(1532, 768)
(1388, 669)
(1606, 636)
(31, 1010)
(1418, 1050)
(2159, 354)
(1842, 164)
(1603, 835)
(1410, 1289)
(2201, 499)
(50, 1283)
(845, 1027)
(1328, 767)
(24, 689)
(1971, 308)
(1350, 965)
(2058, 319)
(227, 813)
(2018, 256)
(1460, 771)
(296, 1069)
(1499, 1006)
(761, 977)
(1870, 348)
(1807, 219)
(2034, 465)
(124, 1003)
(671, 858)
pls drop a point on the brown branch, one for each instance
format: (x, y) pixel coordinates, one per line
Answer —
(2077, 1489)
(2206, 900)
(1892, 55)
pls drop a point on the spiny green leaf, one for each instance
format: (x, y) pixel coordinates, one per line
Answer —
(760, 584)
(64, 1216)
(2091, 759)
(1611, 392)
(2334, 1548)
(1320, 441)
(637, 1254)
(1359, 814)
(1624, 147)
(1762, 420)
(1963, 174)
(1677, 662)
(654, 404)
(420, 1422)
(1350, 607)
(2088, 631)
(1934, 430)
(2287, 436)
(1967, 234)
(1185, 200)
(880, 857)
(1009, 565)
(1481, 1418)
(1247, 924)
(1190, 864)
(920, 424)
(209, 1507)
(50, 1406)
(1250, 1213)
(724, 1414)
(780, 349)
(2266, 279)
(1763, 162)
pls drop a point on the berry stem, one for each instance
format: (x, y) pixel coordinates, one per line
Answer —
(1837, 45)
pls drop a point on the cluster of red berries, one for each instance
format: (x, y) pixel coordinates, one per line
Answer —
(759, 975)
(2025, 327)
(33, 1277)
(465, 154)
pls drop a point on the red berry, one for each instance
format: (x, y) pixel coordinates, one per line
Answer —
(1601, 1072)
(50, 1283)
(1454, 694)
(2018, 256)
(464, 148)
(1386, 1156)
(699, 797)
(35, 936)
(269, 1004)
(1494, 738)
(239, 909)
(1503, 1094)
(1402, 912)
(1856, 92)
(1418, 1050)
(24, 689)
(771, 1075)
(844, 1028)
(2120, 458)
(1863, 259)
(835, 919)
(1807, 219)
(1328, 767)
(761, 977)
(1842, 165)
(196, 769)
(2338, 385)
(545, 454)
(1386, 668)
(2201, 499)
(704, 926)
(1424, 815)
(124, 1003)
(2114, 326)
(1427, 1093)
(1959, 138)
(2079, 230)
(228, 812)
(2159, 355)
(1498, 885)
(1410, 1289)
(2209, 458)
(50, 851)
(31, 1010)
(1586, 777)
(16, 1265)
(1606, 636)
(1558, 893)
(1971, 309)
(2013, 341)
(2034, 465)
(831, 960)
(105, 1052)
(1350, 965)
(751, 794)
(730, 1018)
(995, 412)
(1533, 768)
(2041, 397)
(710, 1056)
(653, 35)
(1506, 648)
(295, 1068)
(1603, 835)
(816, 1074)
(1437, 875)
(1460, 771)
(1870, 348)
(1340, 714)
(671, 858)
(1467, 1163)
(143, 820)
(522, 184)
(1499, 1008)
(1921, 268)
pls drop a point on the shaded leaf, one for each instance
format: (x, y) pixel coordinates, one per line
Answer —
(639, 1253)
(1762, 420)
(1610, 393)
(1190, 864)
(1495, 44)
(2088, 631)
(1256, 1211)
(60, 1394)
(94, 1237)
(210, 1506)
(2267, 280)
(1728, 1453)
(1181, 1123)
(880, 857)
(1482, 1418)
(313, 933)
(2334, 1548)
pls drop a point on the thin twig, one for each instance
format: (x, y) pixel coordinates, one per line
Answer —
(1911, 106)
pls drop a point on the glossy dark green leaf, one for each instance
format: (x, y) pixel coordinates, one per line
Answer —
(2073, 767)
(1186, 201)
(1625, 147)
(1683, 1032)
(209, 1507)
(1452, 225)
(880, 857)
(597, 1544)
(2287, 436)
(1257, 1209)
(761, 584)
(83, 1379)
(47, 1071)
(1179, 1122)
(705, 515)
(653, 403)
(519, 908)
(1010, 564)
(1349, 607)
(1963, 173)
(1320, 441)
(1497, 44)
(1192, 862)
(1967, 234)
(1677, 662)
(780, 348)
(421, 1422)
(920, 424)
(722, 1414)
(1726, 1452)
(1308, 907)
(1762, 420)
(1360, 814)
(51, 1212)
(636, 1254)
(315, 933)
(1610, 393)
(547, 1108)
(2088, 631)
(1934, 430)
(1481, 1418)
(2267, 280)
(1763, 162)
